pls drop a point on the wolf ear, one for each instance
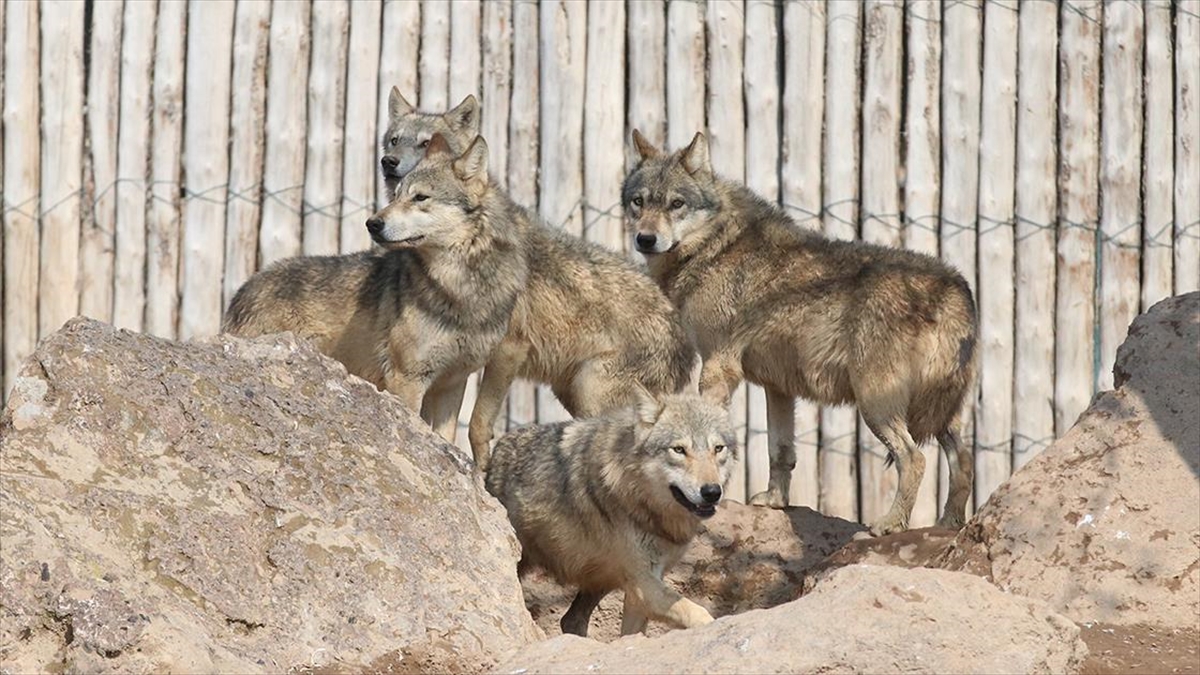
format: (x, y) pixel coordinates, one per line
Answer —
(438, 146)
(465, 116)
(645, 148)
(397, 105)
(647, 407)
(696, 160)
(473, 164)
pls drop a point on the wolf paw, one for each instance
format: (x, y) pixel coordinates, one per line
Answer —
(888, 525)
(770, 498)
(953, 521)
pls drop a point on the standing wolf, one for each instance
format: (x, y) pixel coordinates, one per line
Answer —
(419, 318)
(589, 323)
(612, 502)
(835, 322)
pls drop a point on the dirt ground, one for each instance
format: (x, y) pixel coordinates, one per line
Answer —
(1140, 650)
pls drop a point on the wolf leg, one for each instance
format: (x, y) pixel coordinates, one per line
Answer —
(633, 617)
(410, 391)
(720, 375)
(502, 368)
(579, 614)
(662, 602)
(962, 473)
(441, 405)
(781, 435)
(910, 464)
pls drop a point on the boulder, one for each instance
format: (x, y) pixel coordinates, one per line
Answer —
(1105, 524)
(237, 506)
(747, 557)
(859, 619)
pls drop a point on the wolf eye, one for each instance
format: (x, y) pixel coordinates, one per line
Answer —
(679, 449)
(423, 144)
(719, 449)
(637, 201)
(420, 198)
(676, 204)
(394, 141)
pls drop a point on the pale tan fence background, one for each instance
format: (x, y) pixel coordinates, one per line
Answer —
(156, 154)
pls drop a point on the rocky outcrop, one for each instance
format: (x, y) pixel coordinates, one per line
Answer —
(859, 619)
(1105, 524)
(747, 557)
(237, 506)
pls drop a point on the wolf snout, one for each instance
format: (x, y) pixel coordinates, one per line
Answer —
(710, 493)
(645, 242)
(389, 163)
(375, 226)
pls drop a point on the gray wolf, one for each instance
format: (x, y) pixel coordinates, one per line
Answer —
(612, 502)
(410, 130)
(589, 322)
(421, 316)
(835, 322)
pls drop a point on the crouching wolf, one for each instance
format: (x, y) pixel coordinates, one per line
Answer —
(835, 322)
(612, 502)
(417, 319)
(588, 324)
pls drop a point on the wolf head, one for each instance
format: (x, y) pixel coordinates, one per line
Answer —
(686, 450)
(410, 131)
(432, 205)
(669, 199)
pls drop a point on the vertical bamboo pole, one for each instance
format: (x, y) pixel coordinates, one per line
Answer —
(727, 139)
(686, 50)
(563, 42)
(997, 175)
(162, 221)
(1079, 145)
(762, 67)
(398, 59)
(62, 150)
(497, 61)
(326, 120)
(246, 143)
(803, 103)
(206, 165)
(100, 162)
(137, 54)
(465, 47)
(604, 125)
(922, 165)
(880, 217)
(523, 133)
(497, 84)
(647, 74)
(1033, 360)
(838, 468)
(362, 105)
(1159, 166)
(279, 236)
(1120, 180)
(1187, 150)
(22, 184)
(435, 55)
(3, 210)
(961, 39)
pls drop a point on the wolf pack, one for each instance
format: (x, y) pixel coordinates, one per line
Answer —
(463, 278)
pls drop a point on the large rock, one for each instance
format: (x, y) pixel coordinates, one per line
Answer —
(747, 557)
(1105, 524)
(859, 619)
(237, 506)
